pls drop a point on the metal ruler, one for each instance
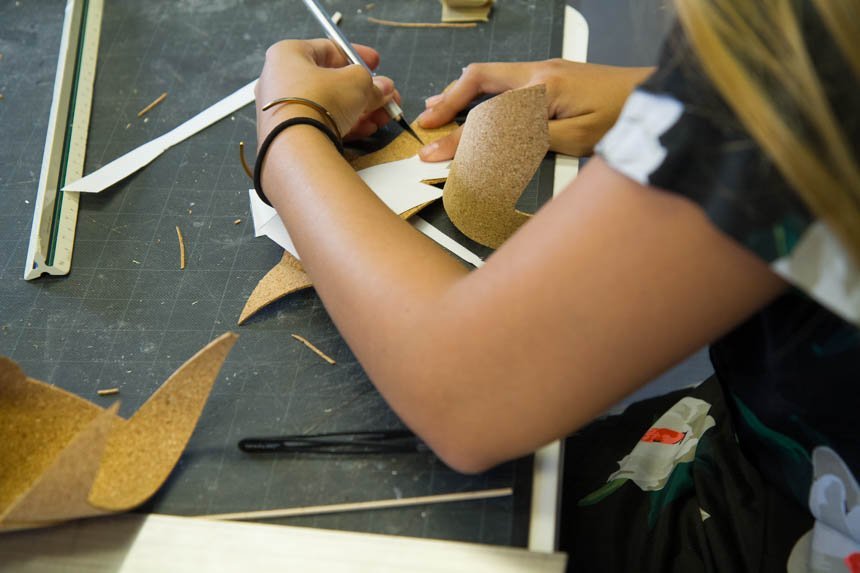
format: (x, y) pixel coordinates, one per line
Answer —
(55, 215)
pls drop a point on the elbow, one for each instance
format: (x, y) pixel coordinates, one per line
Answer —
(463, 453)
(462, 460)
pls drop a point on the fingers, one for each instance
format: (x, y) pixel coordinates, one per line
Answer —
(328, 55)
(368, 54)
(477, 79)
(575, 136)
(322, 52)
(372, 95)
(442, 149)
(362, 129)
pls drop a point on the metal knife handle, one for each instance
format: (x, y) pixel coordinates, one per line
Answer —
(345, 46)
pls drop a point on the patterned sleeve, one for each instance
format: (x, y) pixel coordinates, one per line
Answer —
(676, 133)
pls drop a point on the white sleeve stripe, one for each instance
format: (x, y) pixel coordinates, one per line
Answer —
(633, 146)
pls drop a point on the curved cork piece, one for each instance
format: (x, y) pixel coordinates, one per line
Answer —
(288, 276)
(66, 458)
(60, 493)
(37, 422)
(285, 278)
(142, 452)
(503, 143)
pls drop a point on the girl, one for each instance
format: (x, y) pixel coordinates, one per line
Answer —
(722, 207)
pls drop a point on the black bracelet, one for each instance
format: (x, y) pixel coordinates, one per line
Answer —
(264, 147)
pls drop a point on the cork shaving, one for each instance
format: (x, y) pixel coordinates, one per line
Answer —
(154, 103)
(245, 167)
(181, 248)
(394, 24)
(108, 392)
(316, 350)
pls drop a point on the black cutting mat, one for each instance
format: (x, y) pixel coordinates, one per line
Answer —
(127, 316)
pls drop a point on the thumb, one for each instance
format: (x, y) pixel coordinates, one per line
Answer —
(441, 149)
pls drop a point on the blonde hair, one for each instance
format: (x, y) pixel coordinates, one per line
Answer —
(755, 53)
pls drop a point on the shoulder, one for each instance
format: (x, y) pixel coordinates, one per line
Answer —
(677, 133)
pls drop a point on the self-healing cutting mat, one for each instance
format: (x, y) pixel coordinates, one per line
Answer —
(126, 316)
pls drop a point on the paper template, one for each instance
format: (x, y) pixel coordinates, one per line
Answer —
(136, 159)
(398, 184)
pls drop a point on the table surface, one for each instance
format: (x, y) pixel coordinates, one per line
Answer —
(126, 316)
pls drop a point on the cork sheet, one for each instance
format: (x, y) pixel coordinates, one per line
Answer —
(503, 142)
(66, 458)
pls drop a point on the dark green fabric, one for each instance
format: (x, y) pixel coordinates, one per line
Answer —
(752, 526)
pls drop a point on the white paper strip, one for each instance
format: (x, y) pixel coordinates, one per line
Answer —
(136, 159)
(445, 241)
(397, 184)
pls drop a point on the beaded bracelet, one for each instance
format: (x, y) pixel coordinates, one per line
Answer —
(264, 147)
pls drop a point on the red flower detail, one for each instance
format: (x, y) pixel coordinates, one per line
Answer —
(853, 562)
(667, 436)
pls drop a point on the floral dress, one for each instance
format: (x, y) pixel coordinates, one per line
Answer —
(755, 469)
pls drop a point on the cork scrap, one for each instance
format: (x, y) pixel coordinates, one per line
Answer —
(288, 276)
(503, 143)
(65, 457)
(108, 392)
(154, 103)
(285, 278)
(313, 347)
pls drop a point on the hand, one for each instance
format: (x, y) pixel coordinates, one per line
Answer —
(317, 70)
(584, 100)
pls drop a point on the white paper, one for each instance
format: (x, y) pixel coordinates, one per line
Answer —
(397, 184)
(147, 543)
(268, 223)
(445, 241)
(136, 159)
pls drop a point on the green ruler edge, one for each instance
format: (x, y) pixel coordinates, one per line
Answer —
(55, 213)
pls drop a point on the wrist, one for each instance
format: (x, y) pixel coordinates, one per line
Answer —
(271, 118)
(301, 126)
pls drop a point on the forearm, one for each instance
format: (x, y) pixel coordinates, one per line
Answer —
(379, 279)
(489, 365)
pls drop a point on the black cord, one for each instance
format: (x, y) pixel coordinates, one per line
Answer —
(264, 147)
(379, 442)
